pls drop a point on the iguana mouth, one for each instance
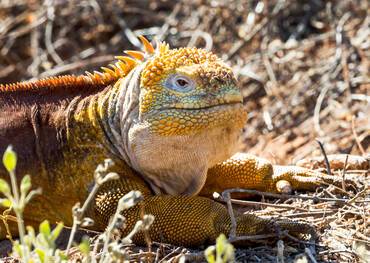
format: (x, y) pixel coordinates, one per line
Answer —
(211, 102)
(204, 107)
(193, 110)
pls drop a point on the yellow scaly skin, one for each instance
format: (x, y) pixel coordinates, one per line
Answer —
(170, 120)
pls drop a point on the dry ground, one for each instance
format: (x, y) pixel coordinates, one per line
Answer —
(303, 67)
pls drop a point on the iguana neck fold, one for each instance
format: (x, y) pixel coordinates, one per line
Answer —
(106, 117)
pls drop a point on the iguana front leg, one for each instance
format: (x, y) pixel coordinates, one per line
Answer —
(180, 220)
(250, 172)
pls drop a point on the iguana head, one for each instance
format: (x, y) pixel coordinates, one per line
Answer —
(188, 91)
(180, 112)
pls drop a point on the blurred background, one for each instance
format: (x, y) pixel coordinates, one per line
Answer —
(303, 66)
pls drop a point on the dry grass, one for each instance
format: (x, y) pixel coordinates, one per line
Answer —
(303, 67)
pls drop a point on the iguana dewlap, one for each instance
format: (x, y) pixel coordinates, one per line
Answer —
(170, 120)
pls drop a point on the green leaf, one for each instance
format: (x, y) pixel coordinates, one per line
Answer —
(25, 184)
(56, 231)
(224, 250)
(10, 159)
(61, 255)
(4, 187)
(209, 254)
(45, 228)
(84, 246)
(220, 244)
(5, 202)
(41, 254)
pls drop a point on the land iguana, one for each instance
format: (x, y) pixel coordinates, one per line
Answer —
(170, 119)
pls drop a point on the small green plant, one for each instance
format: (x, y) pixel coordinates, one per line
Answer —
(42, 247)
(222, 252)
(30, 247)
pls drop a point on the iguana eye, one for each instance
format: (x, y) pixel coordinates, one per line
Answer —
(179, 83)
(182, 82)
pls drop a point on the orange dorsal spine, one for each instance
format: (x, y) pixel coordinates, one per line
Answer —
(106, 76)
(51, 83)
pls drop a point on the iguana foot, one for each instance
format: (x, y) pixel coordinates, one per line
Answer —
(252, 229)
(250, 172)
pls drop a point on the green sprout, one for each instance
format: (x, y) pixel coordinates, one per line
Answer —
(16, 198)
(222, 252)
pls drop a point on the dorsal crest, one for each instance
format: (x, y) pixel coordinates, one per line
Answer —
(104, 77)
